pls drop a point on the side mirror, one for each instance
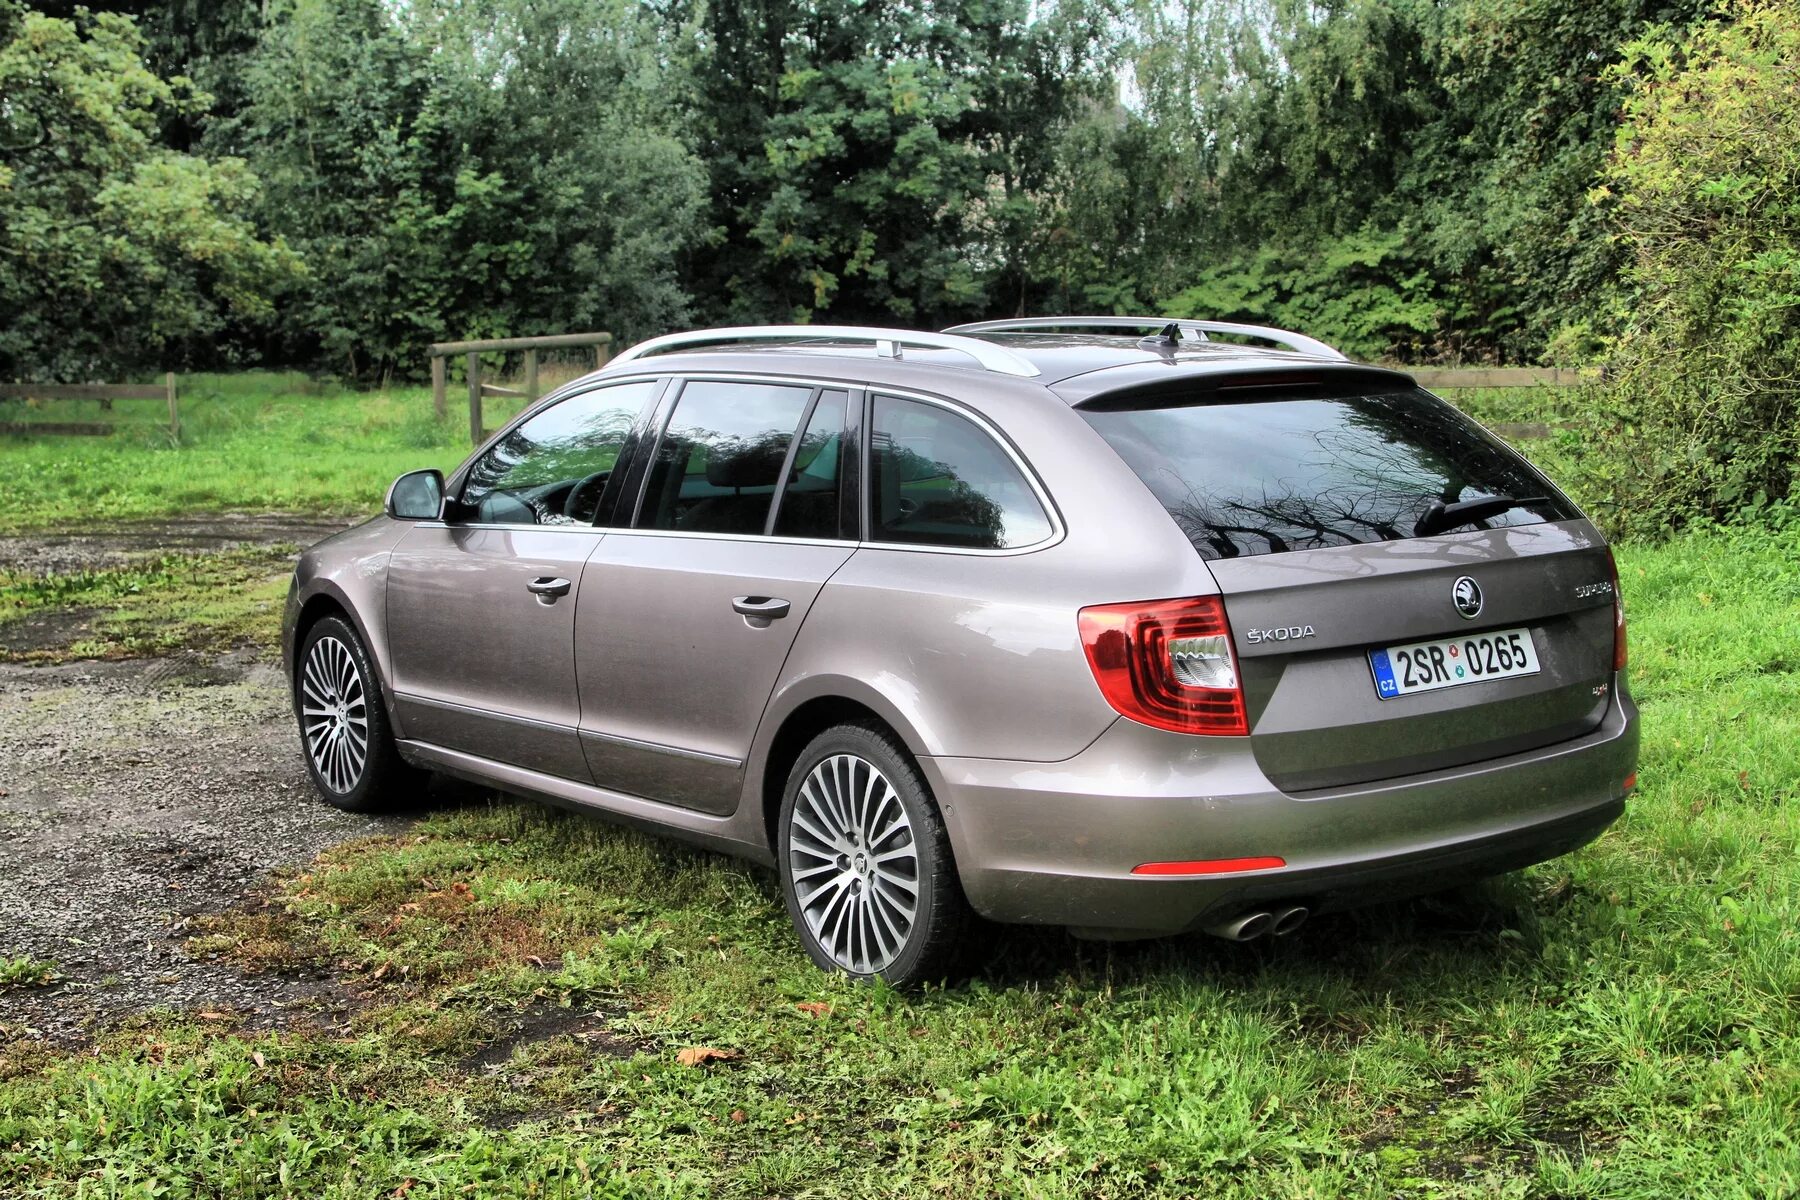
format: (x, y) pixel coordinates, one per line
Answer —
(416, 496)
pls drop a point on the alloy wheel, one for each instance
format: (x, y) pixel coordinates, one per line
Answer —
(854, 864)
(334, 714)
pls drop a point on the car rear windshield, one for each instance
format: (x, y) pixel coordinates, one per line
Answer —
(1281, 473)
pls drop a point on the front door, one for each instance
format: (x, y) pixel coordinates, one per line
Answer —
(481, 606)
(687, 618)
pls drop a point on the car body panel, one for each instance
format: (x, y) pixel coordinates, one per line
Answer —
(479, 663)
(1316, 718)
(673, 681)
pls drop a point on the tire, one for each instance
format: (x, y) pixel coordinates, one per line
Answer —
(345, 736)
(848, 895)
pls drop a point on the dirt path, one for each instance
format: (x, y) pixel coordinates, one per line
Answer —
(137, 794)
(91, 548)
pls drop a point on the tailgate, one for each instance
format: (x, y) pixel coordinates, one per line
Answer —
(1306, 622)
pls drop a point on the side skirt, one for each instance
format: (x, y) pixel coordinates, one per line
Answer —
(721, 833)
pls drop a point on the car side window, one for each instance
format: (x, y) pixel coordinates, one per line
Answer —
(721, 457)
(938, 479)
(809, 506)
(554, 468)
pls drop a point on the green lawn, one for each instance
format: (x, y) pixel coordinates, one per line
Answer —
(1623, 1023)
(249, 441)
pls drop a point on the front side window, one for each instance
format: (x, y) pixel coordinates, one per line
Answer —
(938, 479)
(554, 468)
(721, 457)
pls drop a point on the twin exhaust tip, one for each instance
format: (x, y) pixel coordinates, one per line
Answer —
(1246, 927)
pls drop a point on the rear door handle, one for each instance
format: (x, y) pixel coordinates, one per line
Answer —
(767, 608)
(548, 589)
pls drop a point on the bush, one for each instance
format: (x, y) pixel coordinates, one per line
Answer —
(1704, 187)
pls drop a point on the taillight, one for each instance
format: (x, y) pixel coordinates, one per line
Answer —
(1618, 614)
(1167, 663)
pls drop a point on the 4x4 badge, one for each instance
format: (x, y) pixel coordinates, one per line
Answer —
(1466, 595)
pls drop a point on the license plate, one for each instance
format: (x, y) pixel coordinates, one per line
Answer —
(1452, 662)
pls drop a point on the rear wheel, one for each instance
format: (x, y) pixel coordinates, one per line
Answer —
(865, 861)
(344, 730)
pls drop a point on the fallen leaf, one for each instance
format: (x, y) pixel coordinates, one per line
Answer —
(537, 962)
(460, 888)
(381, 970)
(814, 1008)
(696, 1056)
(399, 1193)
(257, 1058)
(1744, 780)
(738, 1116)
(212, 1016)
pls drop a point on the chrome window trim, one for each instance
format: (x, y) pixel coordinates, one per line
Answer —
(1058, 531)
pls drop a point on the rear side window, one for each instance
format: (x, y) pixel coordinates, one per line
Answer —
(1299, 473)
(809, 506)
(721, 456)
(937, 479)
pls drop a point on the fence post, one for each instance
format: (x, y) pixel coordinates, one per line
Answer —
(473, 370)
(602, 352)
(439, 400)
(174, 412)
(531, 384)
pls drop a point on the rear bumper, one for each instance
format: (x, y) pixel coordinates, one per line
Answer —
(1055, 843)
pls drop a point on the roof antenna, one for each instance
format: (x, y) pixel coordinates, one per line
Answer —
(1168, 340)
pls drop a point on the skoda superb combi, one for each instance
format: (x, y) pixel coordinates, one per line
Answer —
(1044, 621)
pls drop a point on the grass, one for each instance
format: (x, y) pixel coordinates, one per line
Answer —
(534, 992)
(284, 442)
(258, 441)
(1622, 1023)
(153, 605)
(25, 971)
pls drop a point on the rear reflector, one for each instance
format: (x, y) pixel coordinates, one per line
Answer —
(1167, 664)
(1630, 781)
(1209, 866)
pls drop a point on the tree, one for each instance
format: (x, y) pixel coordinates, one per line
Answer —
(882, 162)
(116, 253)
(457, 170)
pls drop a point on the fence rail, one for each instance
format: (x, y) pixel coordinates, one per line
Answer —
(105, 393)
(472, 351)
(1505, 377)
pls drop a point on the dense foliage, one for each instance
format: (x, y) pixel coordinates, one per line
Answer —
(335, 183)
(114, 247)
(1705, 184)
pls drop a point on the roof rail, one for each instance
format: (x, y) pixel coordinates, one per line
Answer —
(887, 343)
(1197, 329)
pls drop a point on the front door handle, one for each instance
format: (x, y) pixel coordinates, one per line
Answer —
(547, 589)
(760, 610)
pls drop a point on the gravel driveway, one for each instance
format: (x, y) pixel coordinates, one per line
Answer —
(136, 794)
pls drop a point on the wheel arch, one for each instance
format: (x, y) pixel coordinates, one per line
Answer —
(800, 716)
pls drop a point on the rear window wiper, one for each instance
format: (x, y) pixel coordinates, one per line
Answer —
(1440, 516)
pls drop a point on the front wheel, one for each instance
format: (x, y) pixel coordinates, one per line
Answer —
(865, 861)
(344, 729)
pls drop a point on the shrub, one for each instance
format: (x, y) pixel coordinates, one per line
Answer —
(1704, 187)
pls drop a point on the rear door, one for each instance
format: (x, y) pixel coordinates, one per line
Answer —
(687, 617)
(1377, 634)
(481, 606)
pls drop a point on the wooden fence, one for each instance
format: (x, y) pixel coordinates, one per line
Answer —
(1505, 377)
(105, 393)
(472, 352)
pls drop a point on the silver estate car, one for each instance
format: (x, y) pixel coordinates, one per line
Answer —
(1126, 625)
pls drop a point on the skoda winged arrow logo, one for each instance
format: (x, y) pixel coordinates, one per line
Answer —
(1466, 595)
